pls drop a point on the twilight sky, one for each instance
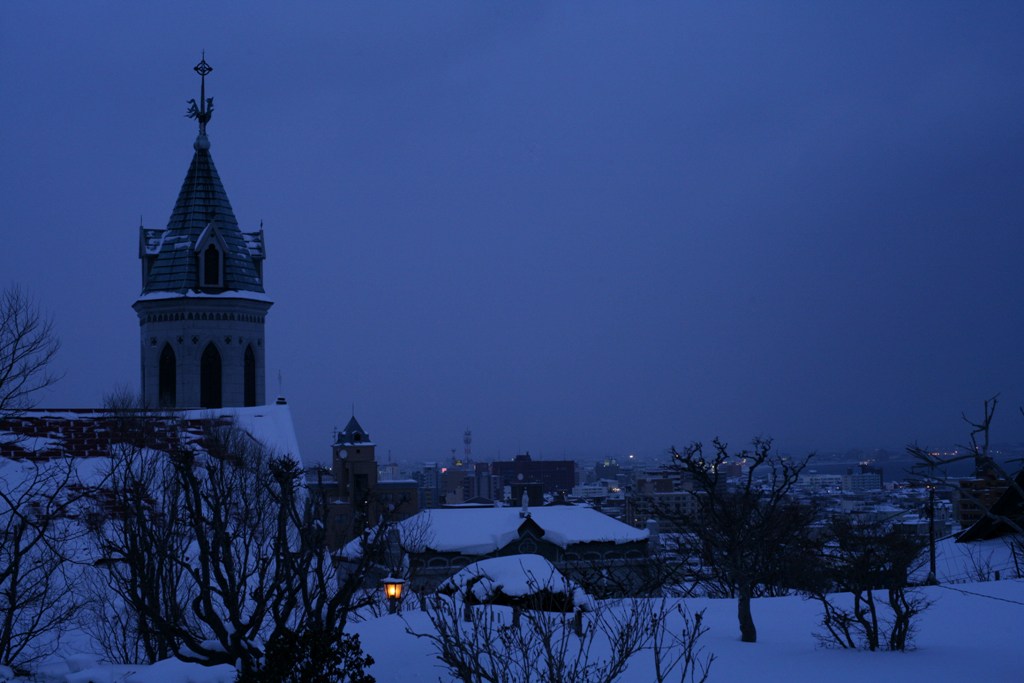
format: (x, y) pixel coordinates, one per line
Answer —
(579, 229)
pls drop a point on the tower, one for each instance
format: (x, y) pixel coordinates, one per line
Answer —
(202, 307)
(354, 466)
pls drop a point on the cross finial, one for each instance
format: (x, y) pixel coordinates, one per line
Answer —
(202, 68)
(204, 109)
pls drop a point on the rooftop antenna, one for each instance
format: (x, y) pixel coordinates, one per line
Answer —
(202, 111)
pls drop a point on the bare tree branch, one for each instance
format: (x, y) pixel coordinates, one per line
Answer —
(28, 345)
(750, 532)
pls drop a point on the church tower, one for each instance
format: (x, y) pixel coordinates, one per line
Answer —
(355, 466)
(202, 307)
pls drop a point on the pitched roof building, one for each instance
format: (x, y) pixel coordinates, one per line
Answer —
(584, 544)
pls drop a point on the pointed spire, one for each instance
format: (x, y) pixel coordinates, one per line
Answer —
(353, 432)
(202, 203)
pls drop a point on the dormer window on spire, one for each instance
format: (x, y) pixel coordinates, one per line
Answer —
(211, 267)
(210, 254)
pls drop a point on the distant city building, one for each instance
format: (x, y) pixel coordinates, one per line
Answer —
(429, 479)
(608, 469)
(867, 479)
(975, 497)
(663, 494)
(387, 471)
(1006, 511)
(488, 485)
(533, 489)
(821, 481)
(598, 489)
(731, 468)
(554, 476)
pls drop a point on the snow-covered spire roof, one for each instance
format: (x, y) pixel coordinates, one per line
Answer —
(202, 206)
(353, 432)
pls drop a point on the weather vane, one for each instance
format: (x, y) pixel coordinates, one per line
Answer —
(202, 111)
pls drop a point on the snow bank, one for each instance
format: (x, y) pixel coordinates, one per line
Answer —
(514, 576)
(974, 561)
(166, 671)
(965, 636)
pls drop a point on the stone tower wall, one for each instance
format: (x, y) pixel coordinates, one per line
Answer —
(189, 324)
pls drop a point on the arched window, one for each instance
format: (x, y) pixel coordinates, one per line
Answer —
(168, 391)
(210, 378)
(249, 377)
(211, 267)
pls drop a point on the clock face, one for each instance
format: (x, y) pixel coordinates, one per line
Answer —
(519, 476)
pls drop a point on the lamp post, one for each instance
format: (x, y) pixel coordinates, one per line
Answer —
(393, 592)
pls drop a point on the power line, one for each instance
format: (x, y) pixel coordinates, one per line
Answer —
(981, 595)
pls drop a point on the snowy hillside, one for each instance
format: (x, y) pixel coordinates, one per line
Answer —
(972, 633)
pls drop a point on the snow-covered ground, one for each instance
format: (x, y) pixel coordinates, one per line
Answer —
(971, 633)
(976, 561)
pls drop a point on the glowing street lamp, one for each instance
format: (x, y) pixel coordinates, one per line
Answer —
(393, 592)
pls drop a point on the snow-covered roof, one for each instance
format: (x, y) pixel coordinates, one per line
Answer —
(271, 425)
(88, 433)
(201, 202)
(514, 576)
(478, 531)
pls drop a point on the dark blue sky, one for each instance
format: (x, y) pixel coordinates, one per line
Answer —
(578, 229)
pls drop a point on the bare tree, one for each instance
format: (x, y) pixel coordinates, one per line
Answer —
(217, 549)
(198, 541)
(334, 587)
(28, 345)
(592, 643)
(240, 592)
(678, 651)
(37, 547)
(871, 563)
(750, 532)
(138, 527)
(650, 576)
(494, 646)
(36, 498)
(998, 494)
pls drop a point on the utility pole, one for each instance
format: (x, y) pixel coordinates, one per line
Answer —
(932, 580)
